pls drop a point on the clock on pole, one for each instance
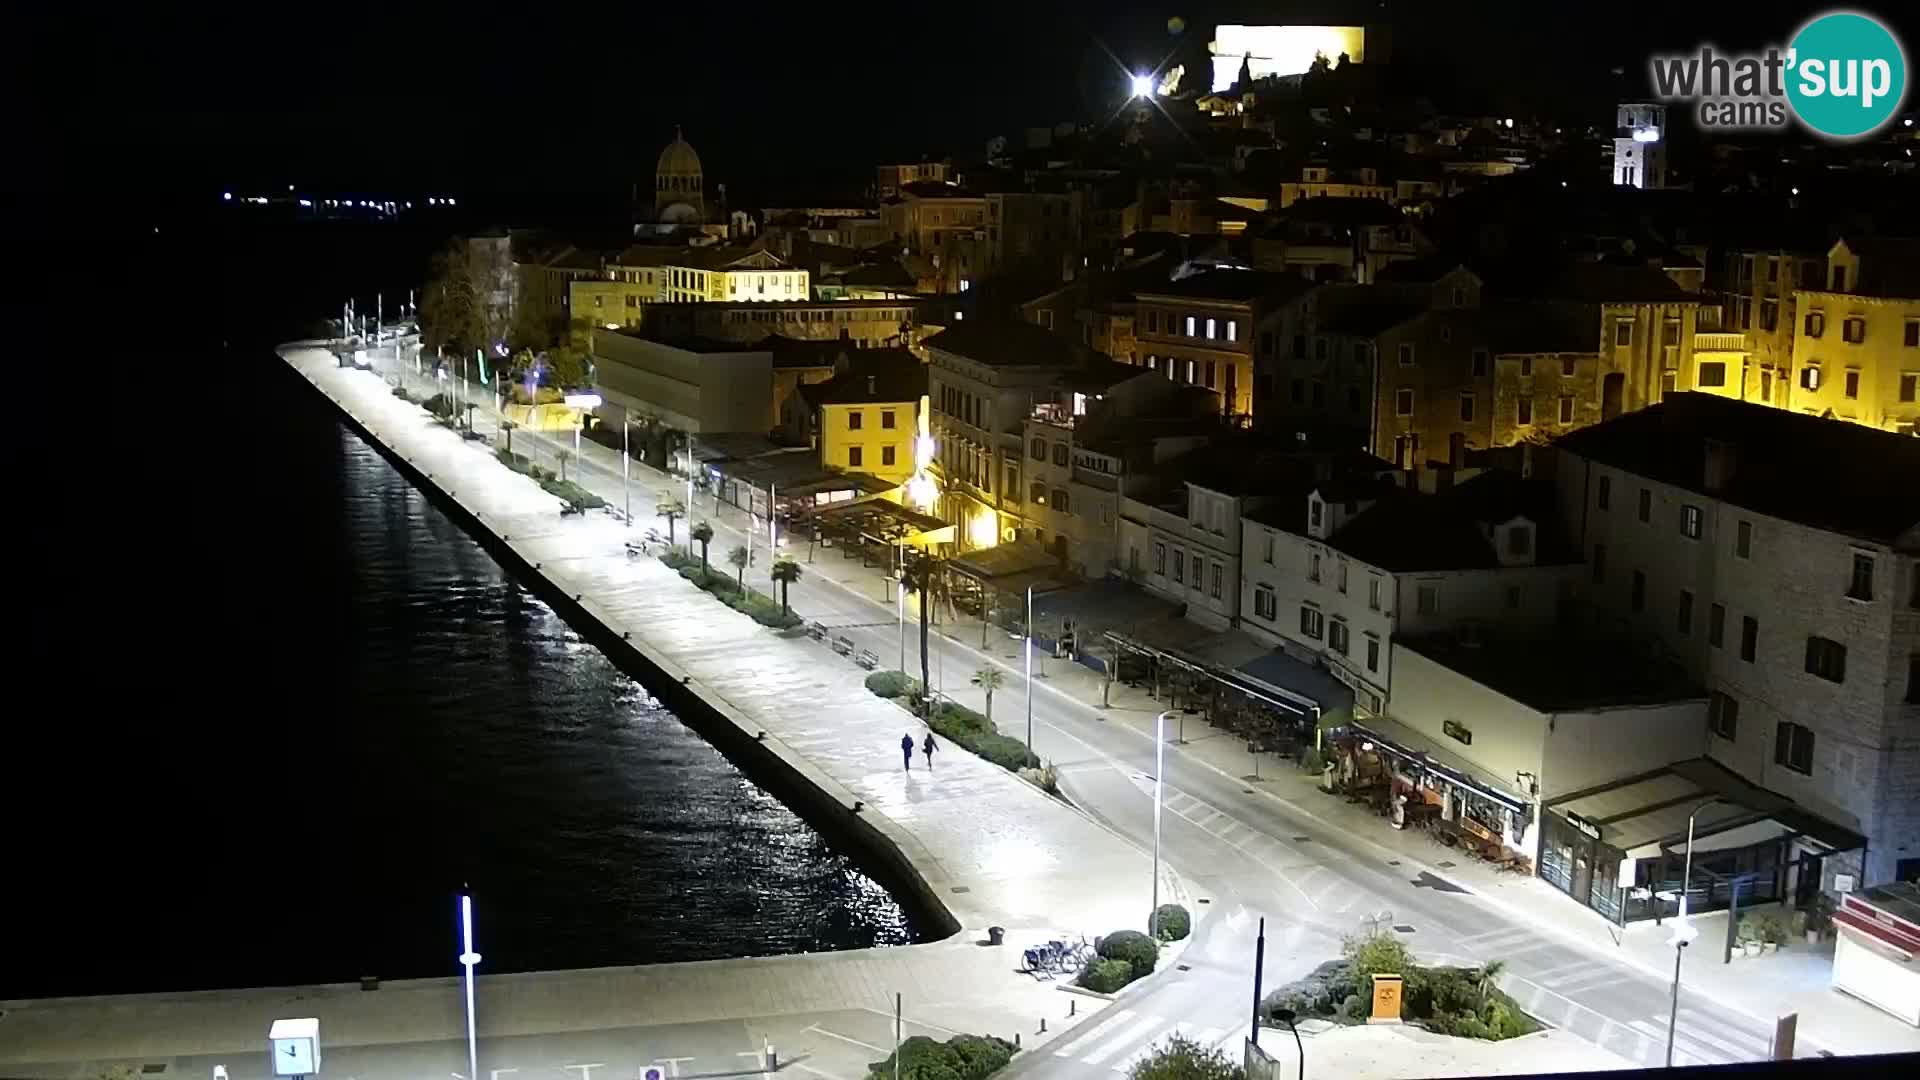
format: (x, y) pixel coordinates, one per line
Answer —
(295, 1046)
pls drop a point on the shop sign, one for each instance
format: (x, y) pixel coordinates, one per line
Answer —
(1589, 828)
(1457, 731)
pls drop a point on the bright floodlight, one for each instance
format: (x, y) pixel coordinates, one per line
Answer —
(1143, 86)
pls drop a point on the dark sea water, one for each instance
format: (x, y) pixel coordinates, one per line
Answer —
(280, 708)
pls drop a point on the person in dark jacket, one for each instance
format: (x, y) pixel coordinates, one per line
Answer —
(928, 748)
(906, 751)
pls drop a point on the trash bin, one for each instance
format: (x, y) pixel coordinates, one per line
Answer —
(996, 935)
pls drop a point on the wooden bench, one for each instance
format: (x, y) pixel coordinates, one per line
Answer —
(867, 659)
(843, 646)
(817, 631)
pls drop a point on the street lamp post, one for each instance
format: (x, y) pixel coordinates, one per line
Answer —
(1286, 1016)
(1683, 931)
(1029, 652)
(1159, 769)
(900, 610)
(468, 958)
(626, 463)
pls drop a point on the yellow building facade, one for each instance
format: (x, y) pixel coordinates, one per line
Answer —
(871, 437)
(1856, 349)
(609, 304)
(714, 276)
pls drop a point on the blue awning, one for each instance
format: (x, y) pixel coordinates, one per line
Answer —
(1279, 670)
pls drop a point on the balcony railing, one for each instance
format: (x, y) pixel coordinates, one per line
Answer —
(1720, 342)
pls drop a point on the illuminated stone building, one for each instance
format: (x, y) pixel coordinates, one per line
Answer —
(1856, 348)
(1200, 330)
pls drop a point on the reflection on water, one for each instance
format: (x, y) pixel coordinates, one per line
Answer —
(491, 744)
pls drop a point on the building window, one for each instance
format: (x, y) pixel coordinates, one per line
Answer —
(1712, 373)
(1337, 637)
(853, 457)
(1190, 326)
(1749, 637)
(1403, 403)
(1179, 566)
(1566, 367)
(886, 455)
(854, 420)
(1038, 493)
(1160, 559)
(1012, 488)
(1639, 595)
(1480, 361)
(1646, 505)
(1466, 407)
(1406, 355)
(1743, 539)
(1514, 595)
(1716, 625)
(1853, 330)
(1219, 575)
(1604, 494)
(1526, 367)
(1827, 659)
(1852, 381)
(886, 419)
(1426, 599)
(1810, 377)
(1683, 616)
(1816, 323)
(1911, 335)
(1313, 566)
(1211, 326)
(1312, 623)
(1233, 330)
(1060, 504)
(1909, 385)
(1037, 449)
(1340, 577)
(1153, 321)
(1373, 594)
(1263, 603)
(1860, 586)
(1268, 559)
(1623, 333)
(1566, 409)
(1061, 455)
(1723, 715)
(1523, 410)
(1320, 349)
(1690, 522)
(1792, 743)
(1599, 563)
(1519, 540)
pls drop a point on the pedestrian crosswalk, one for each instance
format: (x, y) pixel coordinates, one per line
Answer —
(1120, 1041)
(1299, 868)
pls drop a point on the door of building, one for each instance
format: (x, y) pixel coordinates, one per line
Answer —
(1808, 885)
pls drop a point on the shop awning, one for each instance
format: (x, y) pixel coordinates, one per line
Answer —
(879, 520)
(1399, 740)
(1270, 695)
(1010, 567)
(1646, 814)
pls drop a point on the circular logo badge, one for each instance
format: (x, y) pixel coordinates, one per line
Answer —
(1848, 75)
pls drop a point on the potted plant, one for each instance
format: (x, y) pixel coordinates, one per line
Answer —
(1771, 933)
(1749, 935)
(1819, 919)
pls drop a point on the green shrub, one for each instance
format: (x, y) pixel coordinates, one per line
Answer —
(759, 607)
(573, 493)
(1172, 922)
(1005, 751)
(1180, 1058)
(1132, 946)
(439, 405)
(401, 393)
(1374, 954)
(1352, 1009)
(1107, 976)
(1313, 762)
(890, 684)
(963, 1057)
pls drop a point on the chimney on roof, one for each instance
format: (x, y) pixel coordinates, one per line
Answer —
(1721, 460)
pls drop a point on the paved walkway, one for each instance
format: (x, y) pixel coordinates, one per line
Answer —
(1794, 980)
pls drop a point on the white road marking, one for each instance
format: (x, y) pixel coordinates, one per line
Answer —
(915, 1023)
(836, 1035)
(1127, 1037)
(1093, 1033)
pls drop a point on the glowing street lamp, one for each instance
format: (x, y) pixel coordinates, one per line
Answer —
(581, 402)
(1159, 770)
(1683, 931)
(468, 959)
(1142, 86)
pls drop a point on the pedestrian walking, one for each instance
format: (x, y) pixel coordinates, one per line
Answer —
(927, 748)
(906, 751)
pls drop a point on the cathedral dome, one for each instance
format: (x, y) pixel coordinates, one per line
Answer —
(678, 159)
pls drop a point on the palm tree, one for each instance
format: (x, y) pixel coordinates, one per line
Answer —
(738, 557)
(702, 534)
(1490, 973)
(786, 572)
(989, 679)
(917, 576)
(671, 509)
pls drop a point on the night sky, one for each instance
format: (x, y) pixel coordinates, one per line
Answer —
(775, 100)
